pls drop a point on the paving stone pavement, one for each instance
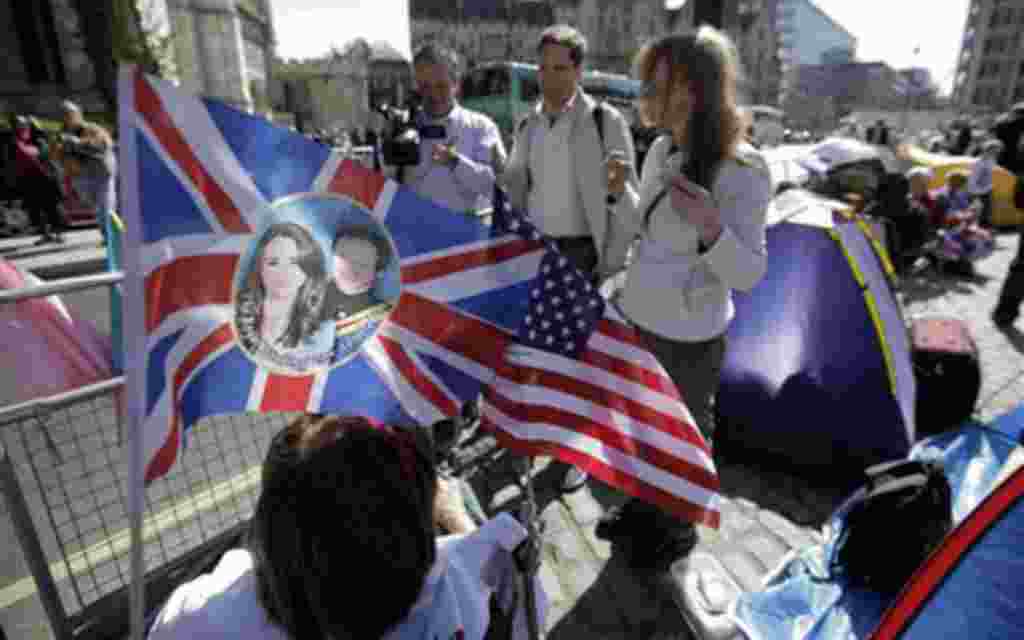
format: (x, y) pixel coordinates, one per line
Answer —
(594, 595)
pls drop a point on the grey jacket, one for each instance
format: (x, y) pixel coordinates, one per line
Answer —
(591, 181)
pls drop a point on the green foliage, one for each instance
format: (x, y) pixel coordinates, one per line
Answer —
(136, 39)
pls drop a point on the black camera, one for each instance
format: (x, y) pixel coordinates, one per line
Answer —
(401, 146)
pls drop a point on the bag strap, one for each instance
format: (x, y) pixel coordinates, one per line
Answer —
(598, 115)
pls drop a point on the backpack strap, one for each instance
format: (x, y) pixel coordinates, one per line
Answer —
(598, 115)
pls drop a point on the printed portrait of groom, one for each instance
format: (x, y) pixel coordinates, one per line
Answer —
(353, 301)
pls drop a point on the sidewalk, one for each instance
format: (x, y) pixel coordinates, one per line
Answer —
(81, 253)
(593, 595)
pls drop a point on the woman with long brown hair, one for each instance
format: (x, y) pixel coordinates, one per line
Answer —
(699, 223)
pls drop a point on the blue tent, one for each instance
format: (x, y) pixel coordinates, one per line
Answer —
(818, 372)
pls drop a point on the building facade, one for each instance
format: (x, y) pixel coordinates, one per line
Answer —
(46, 59)
(485, 30)
(488, 30)
(339, 91)
(990, 70)
(808, 35)
(223, 49)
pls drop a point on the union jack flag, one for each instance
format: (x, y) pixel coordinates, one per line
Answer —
(200, 181)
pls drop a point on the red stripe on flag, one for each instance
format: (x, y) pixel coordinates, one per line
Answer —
(189, 281)
(630, 371)
(168, 453)
(580, 388)
(611, 437)
(457, 332)
(286, 393)
(161, 463)
(437, 267)
(929, 576)
(421, 382)
(357, 182)
(221, 336)
(149, 105)
(611, 475)
(621, 332)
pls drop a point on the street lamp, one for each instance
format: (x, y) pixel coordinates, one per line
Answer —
(907, 83)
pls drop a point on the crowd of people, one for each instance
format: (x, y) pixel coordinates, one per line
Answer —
(683, 233)
(44, 171)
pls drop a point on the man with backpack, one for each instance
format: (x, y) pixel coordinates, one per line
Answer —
(556, 172)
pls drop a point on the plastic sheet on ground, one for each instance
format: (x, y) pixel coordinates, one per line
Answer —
(802, 601)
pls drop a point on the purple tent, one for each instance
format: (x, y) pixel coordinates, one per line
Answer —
(818, 373)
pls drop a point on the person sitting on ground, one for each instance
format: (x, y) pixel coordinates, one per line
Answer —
(953, 198)
(909, 211)
(963, 238)
(343, 545)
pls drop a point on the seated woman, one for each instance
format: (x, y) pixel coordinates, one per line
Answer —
(353, 303)
(952, 199)
(964, 239)
(343, 546)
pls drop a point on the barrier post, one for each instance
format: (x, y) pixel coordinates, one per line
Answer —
(31, 549)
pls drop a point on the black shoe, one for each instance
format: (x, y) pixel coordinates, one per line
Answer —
(574, 479)
(46, 239)
(657, 552)
(649, 538)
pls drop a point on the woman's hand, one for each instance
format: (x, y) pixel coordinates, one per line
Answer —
(449, 509)
(617, 167)
(695, 205)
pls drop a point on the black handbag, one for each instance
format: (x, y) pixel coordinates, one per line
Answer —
(904, 512)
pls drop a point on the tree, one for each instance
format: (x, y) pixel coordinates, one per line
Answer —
(122, 31)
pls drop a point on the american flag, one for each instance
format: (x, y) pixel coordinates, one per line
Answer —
(580, 385)
(200, 181)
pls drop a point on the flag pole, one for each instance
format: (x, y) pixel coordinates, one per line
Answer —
(531, 562)
(133, 316)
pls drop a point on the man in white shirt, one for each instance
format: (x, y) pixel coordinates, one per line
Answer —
(556, 172)
(460, 150)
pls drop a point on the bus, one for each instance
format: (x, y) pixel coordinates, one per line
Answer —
(506, 91)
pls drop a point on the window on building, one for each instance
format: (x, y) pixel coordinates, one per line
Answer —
(485, 82)
(530, 88)
(40, 48)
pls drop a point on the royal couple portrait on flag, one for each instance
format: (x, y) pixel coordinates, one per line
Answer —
(266, 272)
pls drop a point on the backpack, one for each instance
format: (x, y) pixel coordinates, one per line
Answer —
(905, 511)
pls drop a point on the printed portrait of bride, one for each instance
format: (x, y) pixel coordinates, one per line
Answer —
(279, 307)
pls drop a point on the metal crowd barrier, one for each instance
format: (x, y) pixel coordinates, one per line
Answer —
(63, 476)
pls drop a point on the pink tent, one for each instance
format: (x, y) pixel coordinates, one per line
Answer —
(52, 349)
